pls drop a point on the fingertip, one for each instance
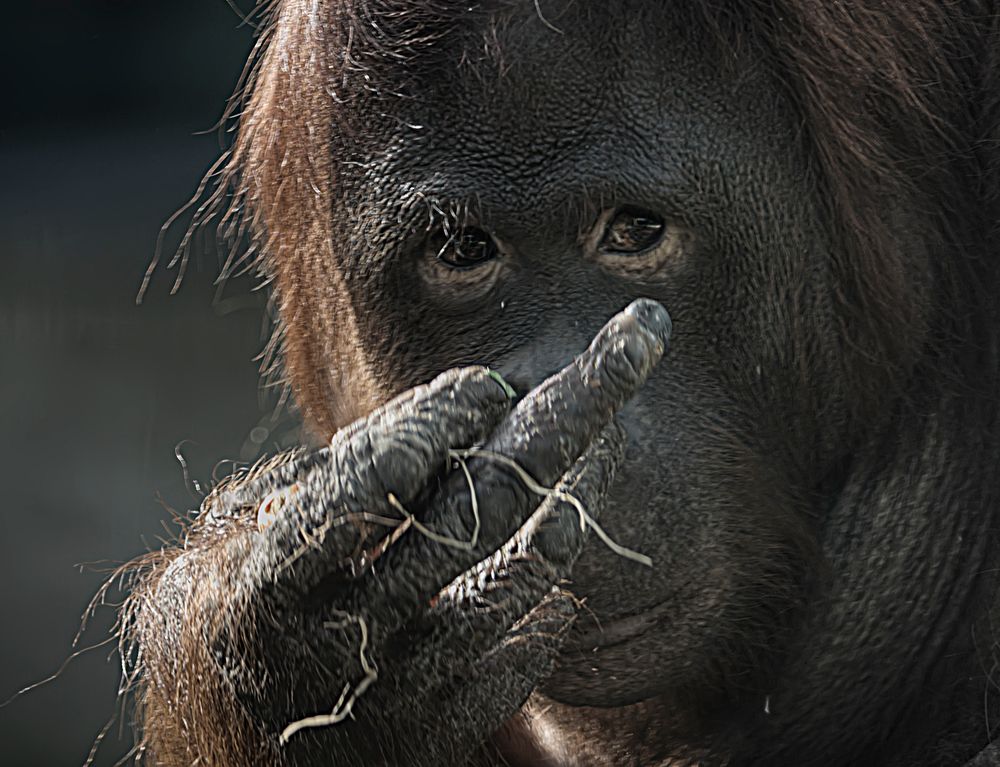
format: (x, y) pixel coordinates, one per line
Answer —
(653, 316)
(479, 381)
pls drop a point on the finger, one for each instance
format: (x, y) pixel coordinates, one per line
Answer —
(473, 613)
(465, 711)
(541, 439)
(460, 406)
(552, 426)
(561, 535)
(330, 500)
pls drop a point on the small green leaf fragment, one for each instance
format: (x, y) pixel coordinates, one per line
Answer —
(508, 389)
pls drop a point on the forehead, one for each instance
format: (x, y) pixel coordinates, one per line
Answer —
(530, 105)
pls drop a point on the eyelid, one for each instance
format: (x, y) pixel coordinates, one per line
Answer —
(630, 215)
(592, 238)
(675, 244)
(459, 288)
(451, 242)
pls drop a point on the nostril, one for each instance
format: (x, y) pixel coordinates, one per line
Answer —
(633, 450)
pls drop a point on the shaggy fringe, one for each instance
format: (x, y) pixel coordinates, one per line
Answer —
(186, 712)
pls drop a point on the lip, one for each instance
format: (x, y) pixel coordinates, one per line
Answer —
(616, 630)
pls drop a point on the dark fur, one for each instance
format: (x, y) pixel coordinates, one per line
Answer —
(900, 116)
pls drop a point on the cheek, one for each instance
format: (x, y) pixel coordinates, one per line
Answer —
(701, 471)
(729, 540)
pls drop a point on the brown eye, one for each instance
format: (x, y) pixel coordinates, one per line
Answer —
(631, 231)
(465, 250)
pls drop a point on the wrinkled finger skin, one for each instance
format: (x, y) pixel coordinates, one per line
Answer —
(394, 450)
(545, 434)
(476, 610)
(341, 583)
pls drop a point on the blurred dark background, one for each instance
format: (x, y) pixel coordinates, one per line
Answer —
(99, 144)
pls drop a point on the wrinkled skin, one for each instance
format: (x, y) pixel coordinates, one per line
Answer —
(317, 561)
(760, 467)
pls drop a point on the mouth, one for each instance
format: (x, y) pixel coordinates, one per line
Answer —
(589, 632)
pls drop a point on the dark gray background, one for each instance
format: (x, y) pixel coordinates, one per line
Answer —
(101, 104)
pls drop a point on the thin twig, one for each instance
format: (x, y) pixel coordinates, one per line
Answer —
(347, 699)
(536, 487)
(337, 521)
(446, 540)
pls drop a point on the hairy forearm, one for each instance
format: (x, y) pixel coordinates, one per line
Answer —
(187, 709)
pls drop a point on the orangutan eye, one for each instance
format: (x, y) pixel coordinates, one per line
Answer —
(631, 231)
(465, 250)
(636, 244)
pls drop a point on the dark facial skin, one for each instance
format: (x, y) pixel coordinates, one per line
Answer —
(492, 192)
(731, 435)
